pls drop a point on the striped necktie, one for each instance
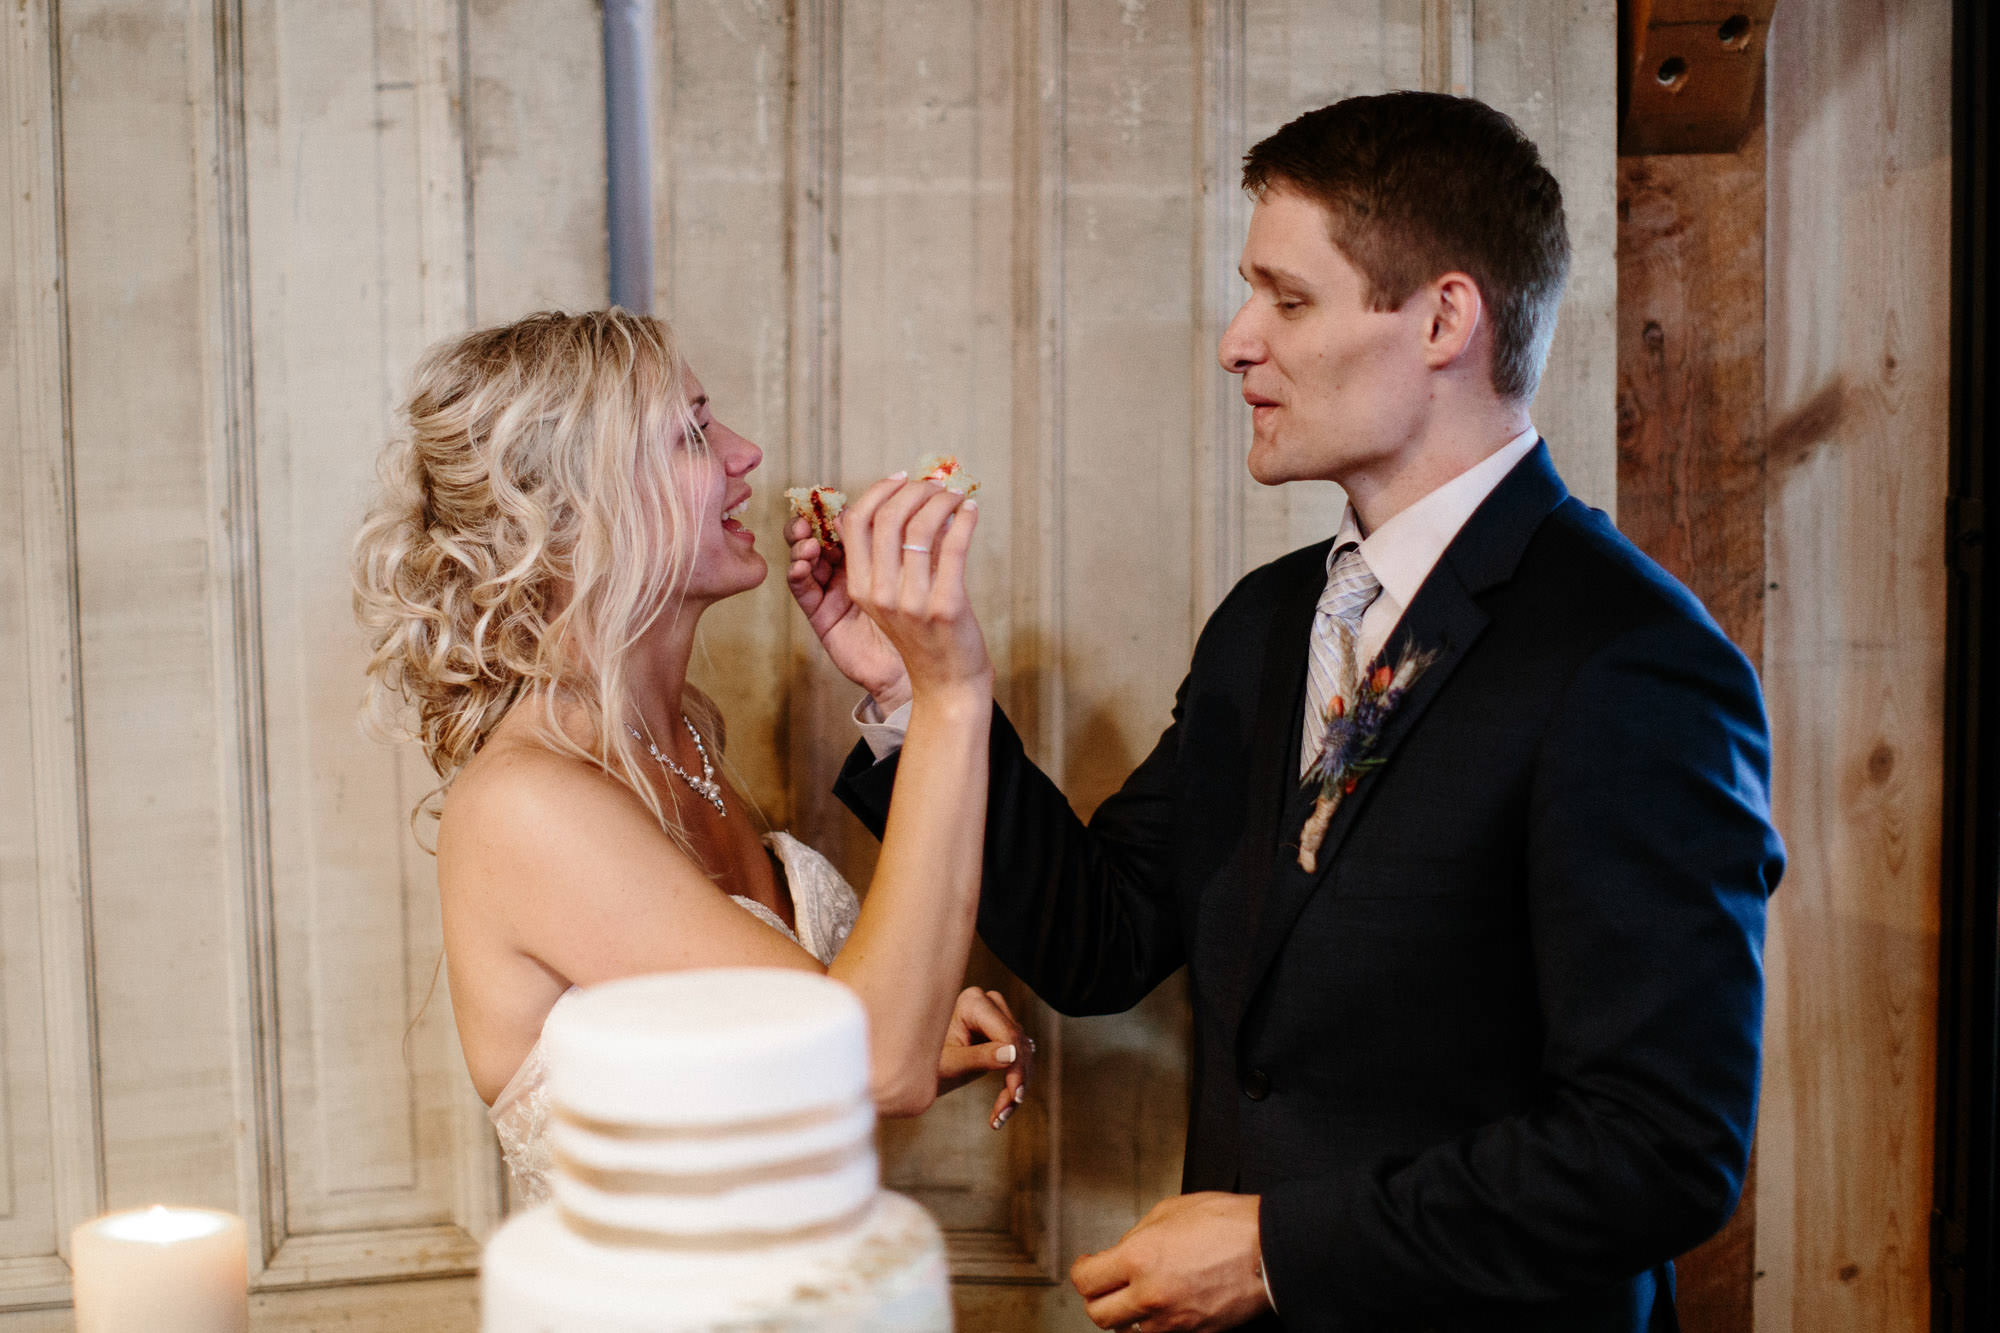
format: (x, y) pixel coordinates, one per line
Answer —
(1336, 633)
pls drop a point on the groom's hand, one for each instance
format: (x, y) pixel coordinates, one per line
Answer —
(1191, 1265)
(859, 650)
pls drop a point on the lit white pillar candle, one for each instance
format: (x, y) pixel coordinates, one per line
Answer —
(164, 1270)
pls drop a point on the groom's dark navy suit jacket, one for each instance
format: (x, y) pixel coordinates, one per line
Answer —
(1497, 1061)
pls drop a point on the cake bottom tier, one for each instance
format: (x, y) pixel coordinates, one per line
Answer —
(884, 1275)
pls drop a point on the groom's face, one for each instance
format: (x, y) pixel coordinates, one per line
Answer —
(1335, 387)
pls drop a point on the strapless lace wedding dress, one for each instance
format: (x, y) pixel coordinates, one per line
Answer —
(825, 906)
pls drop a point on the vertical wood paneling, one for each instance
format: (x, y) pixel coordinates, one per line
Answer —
(1123, 616)
(1298, 57)
(50, 1166)
(1856, 375)
(535, 238)
(256, 250)
(1553, 68)
(535, 157)
(924, 366)
(1129, 266)
(337, 890)
(1220, 417)
(742, 177)
(356, 172)
(152, 591)
(1032, 684)
(1032, 678)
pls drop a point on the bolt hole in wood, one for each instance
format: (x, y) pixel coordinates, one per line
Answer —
(1672, 74)
(1734, 34)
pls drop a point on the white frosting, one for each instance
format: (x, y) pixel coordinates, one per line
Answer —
(714, 1047)
(670, 1153)
(884, 1275)
(777, 1205)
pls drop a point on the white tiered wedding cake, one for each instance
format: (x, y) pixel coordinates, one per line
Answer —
(715, 1169)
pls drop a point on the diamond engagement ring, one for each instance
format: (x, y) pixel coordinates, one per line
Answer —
(925, 549)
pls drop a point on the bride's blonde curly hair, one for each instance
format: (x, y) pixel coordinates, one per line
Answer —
(529, 530)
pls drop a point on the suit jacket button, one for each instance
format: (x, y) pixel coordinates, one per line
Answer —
(1256, 1085)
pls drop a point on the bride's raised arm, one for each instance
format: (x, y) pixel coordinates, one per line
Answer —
(552, 863)
(906, 544)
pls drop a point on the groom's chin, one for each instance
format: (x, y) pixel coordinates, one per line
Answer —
(1266, 465)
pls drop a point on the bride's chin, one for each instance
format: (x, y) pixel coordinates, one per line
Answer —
(753, 576)
(717, 581)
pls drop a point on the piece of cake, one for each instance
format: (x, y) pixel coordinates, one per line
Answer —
(819, 506)
(714, 1147)
(946, 471)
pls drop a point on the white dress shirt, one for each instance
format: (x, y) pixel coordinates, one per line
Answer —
(1401, 553)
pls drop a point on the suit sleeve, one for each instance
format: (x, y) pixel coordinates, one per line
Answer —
(1649, 857)
(1086, 915)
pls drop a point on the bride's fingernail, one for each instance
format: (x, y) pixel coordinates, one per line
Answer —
(1020, 1094)
(1005, 1055)
(1001, 1119)
(970, 504)
(899, 476)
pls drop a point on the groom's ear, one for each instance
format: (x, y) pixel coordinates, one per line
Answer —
(1454, 312)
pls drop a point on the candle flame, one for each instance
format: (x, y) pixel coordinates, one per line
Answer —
(162, 1225)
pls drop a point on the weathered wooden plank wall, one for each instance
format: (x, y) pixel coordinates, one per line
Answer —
(1855, 374)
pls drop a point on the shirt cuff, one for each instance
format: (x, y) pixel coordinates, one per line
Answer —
(883, 734)
(1264, 1277)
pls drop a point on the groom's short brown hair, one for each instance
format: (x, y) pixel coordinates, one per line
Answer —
(1416, 185)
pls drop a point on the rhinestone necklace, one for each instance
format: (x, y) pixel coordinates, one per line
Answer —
(704, 786)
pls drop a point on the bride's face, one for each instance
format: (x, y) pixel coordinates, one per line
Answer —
(726, 558)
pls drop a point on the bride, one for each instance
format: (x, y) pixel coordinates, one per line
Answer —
(549, 531)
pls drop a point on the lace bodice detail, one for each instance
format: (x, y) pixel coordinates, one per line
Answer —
(825, 906)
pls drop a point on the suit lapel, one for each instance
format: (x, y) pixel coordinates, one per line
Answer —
(1280, 720)
(1444, 618)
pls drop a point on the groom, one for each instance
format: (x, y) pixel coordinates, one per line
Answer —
(1492, 1059)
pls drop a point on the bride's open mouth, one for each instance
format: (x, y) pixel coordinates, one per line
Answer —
(732, 518)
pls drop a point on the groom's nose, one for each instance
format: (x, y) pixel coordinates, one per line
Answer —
(1238, 351)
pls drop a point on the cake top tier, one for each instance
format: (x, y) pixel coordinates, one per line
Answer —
(719, 1046)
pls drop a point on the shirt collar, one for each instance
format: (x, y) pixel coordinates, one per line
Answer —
(1402, 552)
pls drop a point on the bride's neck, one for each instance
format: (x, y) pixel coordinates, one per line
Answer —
(656, 672)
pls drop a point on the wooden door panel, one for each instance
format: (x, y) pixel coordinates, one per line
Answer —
(50, 1166)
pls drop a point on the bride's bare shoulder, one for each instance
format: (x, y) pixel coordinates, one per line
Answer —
(518, 800)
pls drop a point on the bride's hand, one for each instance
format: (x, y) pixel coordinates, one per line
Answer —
(906, 544)
(853, 642)
(983, 1037)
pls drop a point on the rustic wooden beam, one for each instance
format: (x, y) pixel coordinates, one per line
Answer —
(1691, 472)
(1689, 73)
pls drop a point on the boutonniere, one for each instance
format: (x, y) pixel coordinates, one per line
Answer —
(1354, 723)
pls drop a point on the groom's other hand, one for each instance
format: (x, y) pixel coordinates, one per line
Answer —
(1190, 1266)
